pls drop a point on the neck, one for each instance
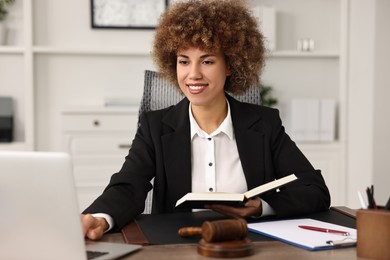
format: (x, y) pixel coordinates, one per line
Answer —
(210, 118)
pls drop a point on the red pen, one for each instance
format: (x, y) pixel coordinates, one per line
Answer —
(326, 230)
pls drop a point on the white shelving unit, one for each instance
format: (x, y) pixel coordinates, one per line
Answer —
(16, 75)
(62, 62)
(317, 74)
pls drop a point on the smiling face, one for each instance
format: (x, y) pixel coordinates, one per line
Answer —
(201, 76)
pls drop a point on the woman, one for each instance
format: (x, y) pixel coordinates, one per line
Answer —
(209, 141)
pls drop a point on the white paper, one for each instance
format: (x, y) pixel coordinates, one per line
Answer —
(289, 231)
(327, 119)
(297, 119)
(312, 120)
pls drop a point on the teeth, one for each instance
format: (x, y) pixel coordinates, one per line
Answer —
(195, 87)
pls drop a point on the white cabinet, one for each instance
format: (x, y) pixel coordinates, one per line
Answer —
(329, 158)
(98, 141)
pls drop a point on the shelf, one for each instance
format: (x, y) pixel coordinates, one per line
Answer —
(102, 110)
(300, 54)
(15, 146)
(330, 145)
(90, 51)
(143, 52)
(11, 50)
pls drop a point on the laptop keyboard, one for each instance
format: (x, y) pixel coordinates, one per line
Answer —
(94, 254)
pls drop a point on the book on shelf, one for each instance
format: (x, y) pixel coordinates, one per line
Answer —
(198, 200)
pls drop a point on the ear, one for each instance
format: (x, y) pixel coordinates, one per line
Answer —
(228, 72)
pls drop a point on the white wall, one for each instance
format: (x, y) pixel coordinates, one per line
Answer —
(81, 81)
(360, 109)
(369, 91)
(76, 65)
(381, 162)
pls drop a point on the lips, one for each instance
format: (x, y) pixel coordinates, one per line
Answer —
(196, 88)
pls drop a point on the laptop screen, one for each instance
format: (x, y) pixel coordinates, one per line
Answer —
(39, 213)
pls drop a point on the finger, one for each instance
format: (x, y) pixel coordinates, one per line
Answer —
(228, 214)
(93, 228)
(87, 222)
(96, 233)
(98, 228)
(255, 206)
(252, 208)
(226, 210)
(256, 202)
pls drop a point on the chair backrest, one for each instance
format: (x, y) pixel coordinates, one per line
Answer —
(160, 93)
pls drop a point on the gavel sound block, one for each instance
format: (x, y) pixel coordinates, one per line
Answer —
(221, 238)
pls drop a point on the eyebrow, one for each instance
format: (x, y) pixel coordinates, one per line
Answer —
(202, 56)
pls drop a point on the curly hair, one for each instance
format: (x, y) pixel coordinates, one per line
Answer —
(227, 25)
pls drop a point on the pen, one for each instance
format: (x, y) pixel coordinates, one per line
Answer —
(363, 204)
(388, 205)
(326, 230)
(370, 196)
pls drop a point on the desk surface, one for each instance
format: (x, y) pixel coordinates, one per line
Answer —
(263, 250)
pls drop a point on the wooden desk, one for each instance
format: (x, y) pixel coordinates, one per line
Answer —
(263, 250)
(274, 250)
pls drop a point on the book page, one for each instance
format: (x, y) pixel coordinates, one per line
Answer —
(289, 232)
(270, 185)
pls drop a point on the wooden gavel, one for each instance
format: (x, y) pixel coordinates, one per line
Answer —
(219, 230)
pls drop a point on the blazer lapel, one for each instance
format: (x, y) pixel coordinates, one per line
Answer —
(176, 146)
(250, 142)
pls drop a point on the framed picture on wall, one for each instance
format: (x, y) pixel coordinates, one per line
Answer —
(126, 14)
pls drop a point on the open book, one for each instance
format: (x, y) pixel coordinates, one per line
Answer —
(198, 200)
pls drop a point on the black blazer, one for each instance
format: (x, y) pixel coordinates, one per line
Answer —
(162, 149)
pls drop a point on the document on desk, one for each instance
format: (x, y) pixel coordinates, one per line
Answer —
(309, 234)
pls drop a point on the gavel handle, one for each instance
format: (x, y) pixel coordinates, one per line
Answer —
(190, 231)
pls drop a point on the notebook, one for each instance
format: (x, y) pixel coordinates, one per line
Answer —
(292, 231)
(39, 214)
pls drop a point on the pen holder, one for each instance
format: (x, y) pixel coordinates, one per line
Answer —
(373, 233)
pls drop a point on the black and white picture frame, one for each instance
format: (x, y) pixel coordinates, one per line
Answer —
(126, 14)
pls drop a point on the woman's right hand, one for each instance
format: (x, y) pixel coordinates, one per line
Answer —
(93, 228)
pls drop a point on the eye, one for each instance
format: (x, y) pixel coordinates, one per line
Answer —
(182, 62)
(208, 62)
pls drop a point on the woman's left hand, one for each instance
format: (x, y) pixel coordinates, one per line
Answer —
(252, 208)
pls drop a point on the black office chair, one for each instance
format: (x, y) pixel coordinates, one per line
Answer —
(160, 93)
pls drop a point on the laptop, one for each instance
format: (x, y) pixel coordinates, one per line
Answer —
(39, 214)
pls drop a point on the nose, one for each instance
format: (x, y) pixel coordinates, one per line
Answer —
(195, 72)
